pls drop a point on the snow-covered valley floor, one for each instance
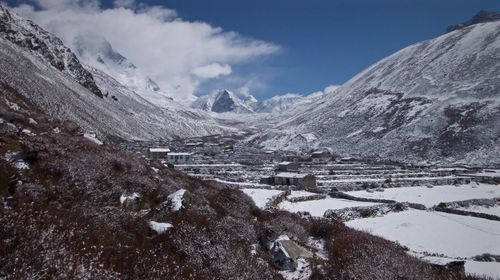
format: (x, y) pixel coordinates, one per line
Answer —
(431, 235)
(368, 193)
(433, 196)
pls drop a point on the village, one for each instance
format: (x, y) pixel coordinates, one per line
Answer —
(388, 199)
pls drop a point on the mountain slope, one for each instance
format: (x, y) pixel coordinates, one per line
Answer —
(116, 111)
(437, 100)
(286, 102)
(48, 47)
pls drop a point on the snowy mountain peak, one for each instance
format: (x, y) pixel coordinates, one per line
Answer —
(90, 45)
(46, 46)
(481, 17)
(222, 101)
(98, 53)
(245, 102)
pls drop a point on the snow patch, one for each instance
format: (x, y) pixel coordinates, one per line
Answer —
(27, 132)
(13, 105)
(354, 133)
(92, 137)
(310, 137)
(343, 113)
(133, 196)
(176, 199)
(159, 227)
(261, 196)
(17, 161)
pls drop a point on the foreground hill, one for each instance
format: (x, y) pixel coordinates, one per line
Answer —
(37, 65)
(437, 100)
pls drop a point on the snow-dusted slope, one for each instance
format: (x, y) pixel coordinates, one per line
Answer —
(438, 100)
(223, 101)
(29, 67)
(286, 102)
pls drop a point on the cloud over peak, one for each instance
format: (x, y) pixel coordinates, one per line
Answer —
(178, 54)
(213, 70)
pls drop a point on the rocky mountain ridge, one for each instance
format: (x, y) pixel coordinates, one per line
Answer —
(223, 101)
(481, 17)
(26, 34)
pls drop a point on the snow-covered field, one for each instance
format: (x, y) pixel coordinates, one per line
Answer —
(436, 232)
(261, 196)
(452, 237)
(433, 196)
(491, 269)
(318, 207)
(297, 194)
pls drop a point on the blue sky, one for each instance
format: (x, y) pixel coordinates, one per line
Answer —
(328, 42)
(321, 42)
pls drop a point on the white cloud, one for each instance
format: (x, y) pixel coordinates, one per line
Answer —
(214, 70)
(178, 54)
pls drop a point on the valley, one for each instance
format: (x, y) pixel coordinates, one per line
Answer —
(439, 213)
(106, 174)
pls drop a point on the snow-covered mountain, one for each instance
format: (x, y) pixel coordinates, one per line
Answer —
(98, 53)
(290, 101)
(30, 37)
(480, 17)
(223, 101)
(437, 100)
(36, 64)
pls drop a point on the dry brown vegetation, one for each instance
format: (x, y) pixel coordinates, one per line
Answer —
(62, 218)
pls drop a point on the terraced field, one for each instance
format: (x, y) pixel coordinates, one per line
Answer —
(441, 214)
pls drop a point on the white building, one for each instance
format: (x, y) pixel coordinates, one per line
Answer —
(179, 158)
(158, 153)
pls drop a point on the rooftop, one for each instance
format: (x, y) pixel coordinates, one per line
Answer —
(159, 150)
(179, 154)
(290, 175)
